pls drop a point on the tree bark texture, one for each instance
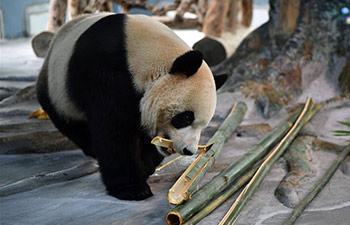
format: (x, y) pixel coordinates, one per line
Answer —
(76, 7)
(57, 14)
(302, 40)
(247, 12)
(214, 20)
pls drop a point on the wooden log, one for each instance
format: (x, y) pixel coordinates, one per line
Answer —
(57, 14)
(171, 22)
(99, 6)
(232, 16)
(247, 12)
(76, 7)
(214, 20)
(299, 170)
(298, 210)
(288, 15)
(202, 7)
(183, 7)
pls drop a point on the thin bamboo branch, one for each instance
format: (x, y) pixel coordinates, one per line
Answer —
(199, 199)
(298, 210)
(187, 183)
(233, 213)
(168, 163)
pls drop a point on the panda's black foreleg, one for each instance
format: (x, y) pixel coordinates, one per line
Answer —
(150, 156)
(116, 144)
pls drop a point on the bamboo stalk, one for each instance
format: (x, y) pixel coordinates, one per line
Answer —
(189, 180)
(226, 177)
(233, 213)
(222, 198)
(317, 188)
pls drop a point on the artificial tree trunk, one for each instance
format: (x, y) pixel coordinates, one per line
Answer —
(57, 14)
(303, 40)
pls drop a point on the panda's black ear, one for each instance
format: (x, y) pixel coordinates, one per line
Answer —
(187, 63)
(220, 80)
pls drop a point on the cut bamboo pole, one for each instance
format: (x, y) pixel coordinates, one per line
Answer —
(188, 181)
(222, 198)
(226, 177)
(317, 188)
(233, 213)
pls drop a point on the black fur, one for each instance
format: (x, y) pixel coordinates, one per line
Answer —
(187, 63)
(220, 80)
(182, 119)
(100, 84)
(213, 51)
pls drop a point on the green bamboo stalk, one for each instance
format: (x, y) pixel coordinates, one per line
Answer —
(192, 176)
(223, 197)
(226, 177)
(219, 139)
(298, 210)
(248, 191)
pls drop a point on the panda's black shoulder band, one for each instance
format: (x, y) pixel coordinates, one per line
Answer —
(187, 63)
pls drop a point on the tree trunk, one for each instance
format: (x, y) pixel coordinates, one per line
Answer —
(76, 7)
(302, 41)
(183, 7)
(57, 14)
(232, 17)
(247, 12)
(214, 21)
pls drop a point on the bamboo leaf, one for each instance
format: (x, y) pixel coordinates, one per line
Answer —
(298, 210)
(344, 123)
(341, 132)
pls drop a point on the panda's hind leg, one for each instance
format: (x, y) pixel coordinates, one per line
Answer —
(77, 131)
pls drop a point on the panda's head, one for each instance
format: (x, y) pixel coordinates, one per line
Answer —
(180, 104)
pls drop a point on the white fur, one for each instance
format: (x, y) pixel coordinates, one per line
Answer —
(152, 48)
(61, 52)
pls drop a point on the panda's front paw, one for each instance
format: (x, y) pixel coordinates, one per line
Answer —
(131, 192)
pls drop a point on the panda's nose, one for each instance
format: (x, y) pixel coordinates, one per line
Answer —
(187, 152)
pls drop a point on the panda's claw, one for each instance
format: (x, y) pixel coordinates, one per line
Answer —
(131, 192)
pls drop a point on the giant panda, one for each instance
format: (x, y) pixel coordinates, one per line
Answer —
(111, 82)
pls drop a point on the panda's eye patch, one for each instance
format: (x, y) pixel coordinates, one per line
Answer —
(183, 119)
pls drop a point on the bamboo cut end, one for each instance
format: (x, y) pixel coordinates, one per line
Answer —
(178, 192)
(39, 114)
(173, 218)
(177, 195)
